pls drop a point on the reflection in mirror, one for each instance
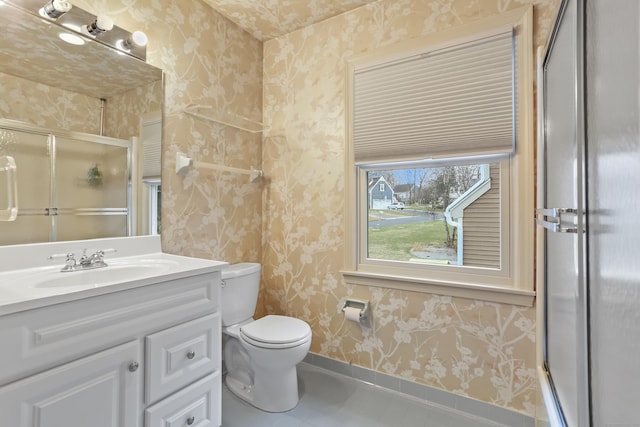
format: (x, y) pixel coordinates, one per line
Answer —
(82, 125)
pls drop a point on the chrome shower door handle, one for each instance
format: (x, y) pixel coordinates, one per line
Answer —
(555, 219)
(8, 167)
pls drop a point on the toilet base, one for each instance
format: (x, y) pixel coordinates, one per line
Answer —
(275, 391)
(265, 377)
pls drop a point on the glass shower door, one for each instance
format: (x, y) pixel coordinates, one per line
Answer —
(613, 144)
(30, 152)
(70, 186)
(92, 188)
(565, 345)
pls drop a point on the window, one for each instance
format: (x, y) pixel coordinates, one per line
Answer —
(382, 187)
(449, 117)
(149, 181)
(453, 216)
(154, 189)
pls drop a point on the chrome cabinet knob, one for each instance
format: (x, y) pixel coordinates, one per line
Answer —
(133, 366)
(191, 420)
(191, 354)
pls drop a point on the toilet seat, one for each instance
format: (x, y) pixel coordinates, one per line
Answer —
(276, 332)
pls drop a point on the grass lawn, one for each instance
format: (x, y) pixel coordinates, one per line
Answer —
(396, 242)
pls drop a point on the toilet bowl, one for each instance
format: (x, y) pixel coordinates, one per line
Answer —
(260, 355)
(261, 358)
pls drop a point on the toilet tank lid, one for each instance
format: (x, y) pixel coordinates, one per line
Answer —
(240, 269)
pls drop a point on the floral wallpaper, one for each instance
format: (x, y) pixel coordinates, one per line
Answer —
(47, 106)
(57, 108)
(266, 19)
(124, 111)
(478, 349)
(207, 60)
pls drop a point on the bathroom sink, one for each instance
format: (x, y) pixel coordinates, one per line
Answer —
(100, 276)
(30, 275)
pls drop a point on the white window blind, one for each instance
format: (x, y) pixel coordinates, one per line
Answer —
(151, 149)
(457, 101)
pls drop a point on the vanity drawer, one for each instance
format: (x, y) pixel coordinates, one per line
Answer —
(197, 405)
(180, 355)
(42, 338)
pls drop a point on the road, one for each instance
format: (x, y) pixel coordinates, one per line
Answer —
(390, 218)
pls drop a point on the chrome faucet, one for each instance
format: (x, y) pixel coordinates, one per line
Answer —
(86, 262)
(95, 260)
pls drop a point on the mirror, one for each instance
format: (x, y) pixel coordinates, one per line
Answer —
(82, 123)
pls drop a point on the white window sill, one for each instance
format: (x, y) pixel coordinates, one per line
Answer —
(497, 294)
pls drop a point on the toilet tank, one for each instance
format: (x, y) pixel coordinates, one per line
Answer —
(239, 293)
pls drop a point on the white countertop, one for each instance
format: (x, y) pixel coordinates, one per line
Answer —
(28, 279)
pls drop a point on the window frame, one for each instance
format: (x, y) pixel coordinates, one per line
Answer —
(149, 206)
(514, 282)
(364, 206)
(154, 186)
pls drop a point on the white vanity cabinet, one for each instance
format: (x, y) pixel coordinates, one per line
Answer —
(146, 356)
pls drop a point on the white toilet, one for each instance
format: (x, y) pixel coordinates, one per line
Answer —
(260, 355)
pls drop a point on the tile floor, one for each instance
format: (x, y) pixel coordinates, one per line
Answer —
(328, 399)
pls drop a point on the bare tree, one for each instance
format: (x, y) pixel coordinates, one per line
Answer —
(445, 186)
(421, 177)
(466, 176)
(389, 177)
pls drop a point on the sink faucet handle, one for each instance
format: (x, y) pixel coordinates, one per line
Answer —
(70, 255)
(100, 252)
(97, 259)
(70, 261)
(56, 256)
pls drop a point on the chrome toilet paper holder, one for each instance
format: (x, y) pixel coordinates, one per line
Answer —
(363, 306)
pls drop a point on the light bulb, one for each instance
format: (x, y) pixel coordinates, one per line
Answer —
(55, 9)
(100, 25)
(138, 38)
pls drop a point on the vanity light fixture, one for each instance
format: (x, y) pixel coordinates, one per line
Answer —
(138, 38)
(54, 9)
(102, 24)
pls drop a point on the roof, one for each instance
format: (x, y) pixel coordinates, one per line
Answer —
(482, 185)
(403, 188)
(375, 180)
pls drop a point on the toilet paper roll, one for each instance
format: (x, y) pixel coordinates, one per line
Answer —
(352, 313)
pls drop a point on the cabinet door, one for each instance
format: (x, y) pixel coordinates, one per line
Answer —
(101, 390)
